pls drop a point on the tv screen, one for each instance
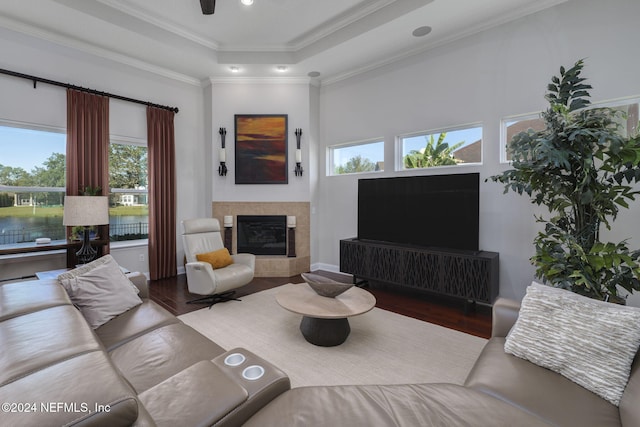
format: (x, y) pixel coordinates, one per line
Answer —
(439, 211)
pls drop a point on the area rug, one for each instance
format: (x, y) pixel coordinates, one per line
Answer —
(383, 347)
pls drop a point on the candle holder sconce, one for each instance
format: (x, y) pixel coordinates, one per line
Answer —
(222, 169)
(298, 170)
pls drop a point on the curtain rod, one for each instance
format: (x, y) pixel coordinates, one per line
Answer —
(83, 89)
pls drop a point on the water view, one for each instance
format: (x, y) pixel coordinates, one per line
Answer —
(19, 229)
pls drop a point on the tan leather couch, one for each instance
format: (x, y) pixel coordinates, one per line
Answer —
(501, 390)
(142, 368)
(542, 392)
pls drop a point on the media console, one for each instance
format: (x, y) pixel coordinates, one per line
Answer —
(473, 276)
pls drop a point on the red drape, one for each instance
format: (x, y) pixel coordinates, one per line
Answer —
(162, 193)
(88, 146)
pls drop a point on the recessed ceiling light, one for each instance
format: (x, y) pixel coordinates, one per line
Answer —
(246, 2)
(234, 69)
(282, 68)
(421, 31)
(314, 74)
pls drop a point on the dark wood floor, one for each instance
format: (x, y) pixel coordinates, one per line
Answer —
(173, 295)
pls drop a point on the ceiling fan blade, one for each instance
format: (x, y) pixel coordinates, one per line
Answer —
(208, 6)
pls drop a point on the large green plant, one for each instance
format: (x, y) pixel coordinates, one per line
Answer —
(435, 153)
(579, 167)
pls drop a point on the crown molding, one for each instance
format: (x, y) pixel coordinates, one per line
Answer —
(90, 49)
(528, 10)
(347, 18)
(260, 80)
(161, 23)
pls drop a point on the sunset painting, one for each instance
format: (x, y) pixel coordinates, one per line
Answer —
(261, 149)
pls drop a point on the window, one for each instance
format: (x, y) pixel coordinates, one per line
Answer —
(128, 199)
(357, 157)
(32, 185)
(513, 126)
(32, 182)
(447, 147)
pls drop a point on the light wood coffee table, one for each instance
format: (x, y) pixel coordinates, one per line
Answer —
(325, 320)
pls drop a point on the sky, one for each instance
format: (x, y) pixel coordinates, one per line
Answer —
(375, 151)
(26, 148)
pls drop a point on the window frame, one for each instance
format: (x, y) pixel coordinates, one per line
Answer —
(612, 103)
(139, 142)
(503, 131)
(399, 148)
(34, 189)
(330, 155)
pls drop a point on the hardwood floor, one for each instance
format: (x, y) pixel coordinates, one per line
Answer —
(173, 295)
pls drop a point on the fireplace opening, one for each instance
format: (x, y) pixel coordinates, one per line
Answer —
(262, 234)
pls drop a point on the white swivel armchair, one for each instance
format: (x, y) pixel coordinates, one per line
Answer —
(201, 236)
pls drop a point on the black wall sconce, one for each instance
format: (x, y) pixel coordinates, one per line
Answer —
(222, 169)
(298, 170)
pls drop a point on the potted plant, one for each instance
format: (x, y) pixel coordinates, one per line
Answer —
(580, 167)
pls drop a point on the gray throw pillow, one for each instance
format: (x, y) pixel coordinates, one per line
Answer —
(592, 343)
(101, 292)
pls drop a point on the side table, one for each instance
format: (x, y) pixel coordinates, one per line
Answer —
(325, 320)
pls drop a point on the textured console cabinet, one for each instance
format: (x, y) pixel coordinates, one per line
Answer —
(470, 276)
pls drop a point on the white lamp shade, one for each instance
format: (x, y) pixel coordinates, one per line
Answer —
(228, 221)
(291, 221)
(85, 210)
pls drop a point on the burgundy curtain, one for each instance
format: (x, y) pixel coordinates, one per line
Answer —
(88, 146)
(162, 193)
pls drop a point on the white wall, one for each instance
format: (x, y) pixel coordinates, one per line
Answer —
(267, 96)
(502, 71)
(46, 105)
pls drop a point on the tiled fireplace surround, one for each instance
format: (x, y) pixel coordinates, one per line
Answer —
(270, 265)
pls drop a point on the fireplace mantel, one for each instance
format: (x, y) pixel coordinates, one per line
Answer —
(274, 265)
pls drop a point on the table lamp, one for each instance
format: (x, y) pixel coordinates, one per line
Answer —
(86, 211)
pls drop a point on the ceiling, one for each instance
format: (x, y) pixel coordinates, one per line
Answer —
(335, 38)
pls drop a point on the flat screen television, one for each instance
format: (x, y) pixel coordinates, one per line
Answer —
(433, 211)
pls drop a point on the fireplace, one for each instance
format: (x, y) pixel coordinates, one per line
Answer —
(262, 234)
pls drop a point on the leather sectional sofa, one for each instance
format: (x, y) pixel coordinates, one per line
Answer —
(142, 368)
(145, 367)
(501, 390)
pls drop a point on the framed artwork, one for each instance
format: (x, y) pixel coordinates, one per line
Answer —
(261, 149)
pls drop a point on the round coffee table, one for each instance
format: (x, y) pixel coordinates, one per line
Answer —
(325, 320)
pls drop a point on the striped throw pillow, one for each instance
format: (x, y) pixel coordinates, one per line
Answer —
(590, 342)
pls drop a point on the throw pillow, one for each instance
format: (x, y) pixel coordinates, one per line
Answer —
(85, 268)
(218, 259)
(590, 342)
(101, 293)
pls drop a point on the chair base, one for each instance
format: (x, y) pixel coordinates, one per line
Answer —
(215, 298)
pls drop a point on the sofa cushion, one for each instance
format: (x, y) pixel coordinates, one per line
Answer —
(629, 408)
(101, 293)
(178, 401)
(133, 323)
(161, 353)
(36, 340)
(26, 297)
(591, 342)
(83, 389)
(389, 405)
(538, 390)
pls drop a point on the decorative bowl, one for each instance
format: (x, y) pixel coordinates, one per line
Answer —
(324, 286)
